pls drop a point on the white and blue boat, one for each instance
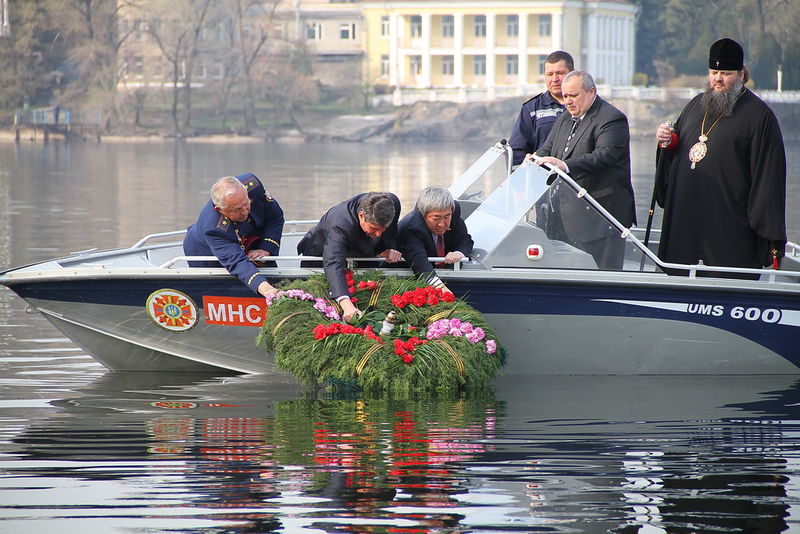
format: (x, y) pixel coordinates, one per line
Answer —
(143, 308)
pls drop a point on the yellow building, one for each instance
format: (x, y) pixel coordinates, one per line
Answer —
(477, 50)
(405, 50)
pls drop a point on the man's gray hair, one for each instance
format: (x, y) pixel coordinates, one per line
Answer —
(587, 82)
(434, 198)
(378, 208)
(224, 187)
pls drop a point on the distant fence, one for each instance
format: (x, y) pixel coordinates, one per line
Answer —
(405, 96)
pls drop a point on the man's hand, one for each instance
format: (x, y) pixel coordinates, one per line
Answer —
(265, 288)
(453, 257)
(391, 255)
(257, 255)
(348, 309)
(664, 132)
(552, 161)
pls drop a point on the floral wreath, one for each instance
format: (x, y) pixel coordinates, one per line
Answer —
(411, 336)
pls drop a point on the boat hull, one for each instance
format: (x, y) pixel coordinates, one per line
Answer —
(555, 323)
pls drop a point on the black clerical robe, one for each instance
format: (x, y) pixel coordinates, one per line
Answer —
(730, 209)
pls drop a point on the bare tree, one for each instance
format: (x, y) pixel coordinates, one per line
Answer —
(251, 20)
(95, 36)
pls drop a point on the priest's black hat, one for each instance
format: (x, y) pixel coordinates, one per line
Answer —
(726, 54)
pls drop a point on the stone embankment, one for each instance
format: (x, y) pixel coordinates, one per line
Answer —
(492, 121)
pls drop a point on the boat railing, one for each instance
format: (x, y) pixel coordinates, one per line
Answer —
(767, 274)
(292, 225)
(351, 262)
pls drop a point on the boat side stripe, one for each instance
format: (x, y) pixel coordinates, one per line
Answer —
(671, 306)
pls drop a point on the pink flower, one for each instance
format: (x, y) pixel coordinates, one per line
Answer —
(491, 346)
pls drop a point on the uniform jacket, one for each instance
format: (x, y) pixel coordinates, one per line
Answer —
(599, 160)
(535, 120)
(216, 235)
(338, 235)
(417, 245)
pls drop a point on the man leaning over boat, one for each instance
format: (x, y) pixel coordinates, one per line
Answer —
(363, 226)
(434, 229)
(240, 225)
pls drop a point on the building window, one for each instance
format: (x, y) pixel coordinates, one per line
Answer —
(545, 25)
(200, 70)
(415, 65)
(139, 27)
(512, 64)
(448, 65)
(314, 31)
(512, 25)
(138, 67)
(541, 65)
(448, 26)
(219, 71)
(480, 25)
(347, 31)
(384, 65)
(416, 26)
(479, 65)
(385, 26)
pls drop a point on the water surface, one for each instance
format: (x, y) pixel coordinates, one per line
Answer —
(83, 450)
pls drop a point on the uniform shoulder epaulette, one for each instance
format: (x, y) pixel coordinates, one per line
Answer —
(250, 183)
(223, 223)
(268, 196)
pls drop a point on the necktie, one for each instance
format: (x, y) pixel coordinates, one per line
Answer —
(440, 248)
(575, 123)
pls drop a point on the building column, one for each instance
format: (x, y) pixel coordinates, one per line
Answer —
(458, 49)
(426, 75)
(557, 29)
(396, 66)
(523, 50)
(491, 62)
(590, 46)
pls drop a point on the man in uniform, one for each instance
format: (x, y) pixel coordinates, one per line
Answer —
(591, 143)
(724, 190)
(363, 226)
(241, 224)
(538, 114)
(434, 229)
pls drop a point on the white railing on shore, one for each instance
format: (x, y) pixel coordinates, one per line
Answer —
(409, 95)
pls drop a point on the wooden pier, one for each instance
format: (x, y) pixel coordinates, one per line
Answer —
(68, 124)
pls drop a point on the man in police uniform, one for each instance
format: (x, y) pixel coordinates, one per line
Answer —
(538, 114)
(241, 224)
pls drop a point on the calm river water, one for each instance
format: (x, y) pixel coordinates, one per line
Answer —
(83, 450)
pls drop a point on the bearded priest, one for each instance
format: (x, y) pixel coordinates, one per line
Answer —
(724, 186)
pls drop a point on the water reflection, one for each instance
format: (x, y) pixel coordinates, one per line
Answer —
(621, 454)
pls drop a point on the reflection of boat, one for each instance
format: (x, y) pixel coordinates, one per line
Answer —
(143, 308)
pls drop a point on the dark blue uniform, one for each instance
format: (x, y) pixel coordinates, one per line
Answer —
(417, 245)
(216, 235)
(536, 119)
(338, 235)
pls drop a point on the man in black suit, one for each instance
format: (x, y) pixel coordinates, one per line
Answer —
(434, 229)
(363, 226)
(592, 144)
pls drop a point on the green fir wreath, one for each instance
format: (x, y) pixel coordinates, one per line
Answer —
(435, 342)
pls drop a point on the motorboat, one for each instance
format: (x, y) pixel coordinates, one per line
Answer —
(143, 308)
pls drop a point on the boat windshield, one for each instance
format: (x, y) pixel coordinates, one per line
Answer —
(536, 218)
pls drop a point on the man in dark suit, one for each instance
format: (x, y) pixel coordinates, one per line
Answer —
(241, 224)
(592, 144)
(363, 226)
(434, 229)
